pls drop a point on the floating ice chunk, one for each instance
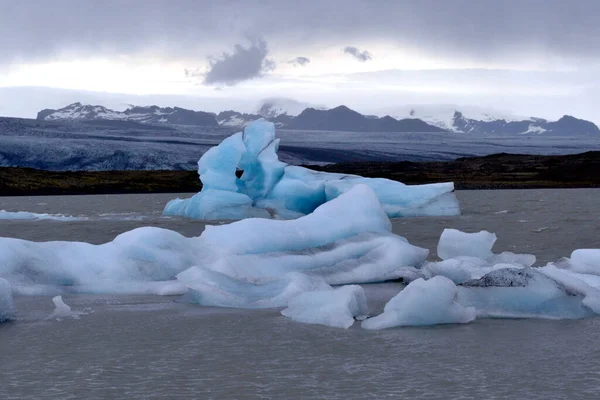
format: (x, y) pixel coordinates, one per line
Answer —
(507, 257)
(26, 215)
(211, 288)
(578, 284)
(526, 293)
(400, 200)
(456, 269)
(355, 212)
(6, 301)
(468, 256)
(364, 258)
(454, 243)
(333, 307)
(211, 204)
(133, 258)
(347, 240)
(423, 303)
(62, 310)
(586, 261)
(288, 191)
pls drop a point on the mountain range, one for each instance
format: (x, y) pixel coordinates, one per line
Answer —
(293, 116)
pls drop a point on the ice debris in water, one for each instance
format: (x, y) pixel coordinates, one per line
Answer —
(326, 245)
(62, 310)
(423, 302)
(529, 293)
(455, 243)
(211, 288)
(332, 307)
(26, 215)
(270, 188)
(7, 308)
(467, 256)
(494, 285)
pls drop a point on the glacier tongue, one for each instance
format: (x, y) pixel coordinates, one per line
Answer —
(270, 188)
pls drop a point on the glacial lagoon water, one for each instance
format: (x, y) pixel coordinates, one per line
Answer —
(150, 347)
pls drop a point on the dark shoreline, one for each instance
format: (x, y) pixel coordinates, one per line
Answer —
(497, 171)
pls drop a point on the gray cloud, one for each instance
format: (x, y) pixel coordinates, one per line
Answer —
(243, 64)
(35, 30)
(361, 56)
(299, 61)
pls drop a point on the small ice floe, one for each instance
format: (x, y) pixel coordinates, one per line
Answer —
(501, 212)
(540, 230)
(25, 215)
(63, 310)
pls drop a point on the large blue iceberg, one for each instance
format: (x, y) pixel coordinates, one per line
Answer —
(269, 188)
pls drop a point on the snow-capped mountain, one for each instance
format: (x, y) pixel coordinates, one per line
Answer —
(145, 115)
(469, 120)
(275, 107)
(442, 115)
(565, 126)
(476, 120)
(234, 119)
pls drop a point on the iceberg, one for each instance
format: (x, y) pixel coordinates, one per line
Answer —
(467, 256)
(325, 245)
(585, 261)
(529, 293)
(337, 308)
(7, 308)
(134, 262)
(63, 310)
(26, 215)
(269, 188)
(454, 243)
(211, 288)
(423, 302)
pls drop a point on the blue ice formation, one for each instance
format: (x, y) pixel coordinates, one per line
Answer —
(296, 264)
(211, 288)
(331, 307)
(471, 281)
(7, 308)
(25, 215)
(423, 302)
(241, 256)
(270, 188)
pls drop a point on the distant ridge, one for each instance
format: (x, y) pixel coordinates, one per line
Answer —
(145, 115)
(341, 118)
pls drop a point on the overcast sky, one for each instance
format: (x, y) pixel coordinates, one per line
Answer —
(530, 57)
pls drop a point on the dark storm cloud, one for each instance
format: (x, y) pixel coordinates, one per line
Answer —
(243, 64)
(299, 61)
(32, 30)
(360, 55)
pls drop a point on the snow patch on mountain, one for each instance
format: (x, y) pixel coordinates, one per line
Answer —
(443, 115)
(275, 107)
(144, 115)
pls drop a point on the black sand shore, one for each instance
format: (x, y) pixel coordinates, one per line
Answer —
(497, 171)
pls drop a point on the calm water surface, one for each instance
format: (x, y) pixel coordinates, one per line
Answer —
(149, 347)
